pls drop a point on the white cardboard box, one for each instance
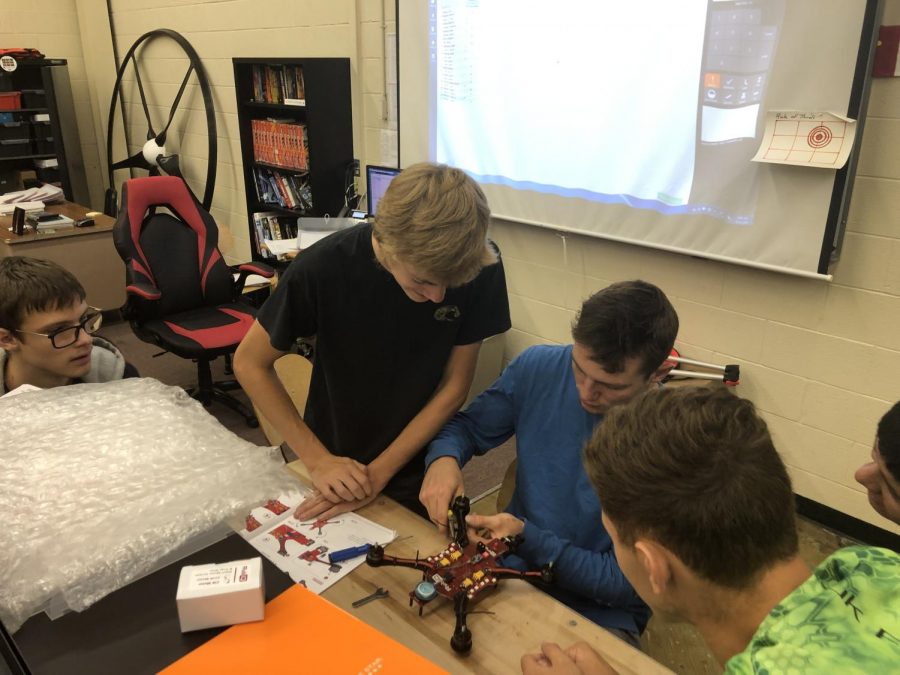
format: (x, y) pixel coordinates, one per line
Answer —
(220, 594)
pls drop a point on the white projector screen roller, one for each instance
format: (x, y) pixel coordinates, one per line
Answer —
(636, 121)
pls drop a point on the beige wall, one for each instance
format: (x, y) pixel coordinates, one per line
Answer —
(376, 19)
(219, 31)
(822, 360)
(52, 27)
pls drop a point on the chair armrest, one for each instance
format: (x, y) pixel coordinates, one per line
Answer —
(144, 290)
(246, 269)
(259, 268)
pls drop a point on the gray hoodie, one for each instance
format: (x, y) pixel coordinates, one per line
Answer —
(107, 364)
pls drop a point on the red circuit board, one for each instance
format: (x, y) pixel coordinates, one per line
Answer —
(469, 569)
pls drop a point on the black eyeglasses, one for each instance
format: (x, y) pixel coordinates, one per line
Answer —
(68, 335)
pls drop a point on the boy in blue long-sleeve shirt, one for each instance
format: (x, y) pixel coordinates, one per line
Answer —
(551, 398)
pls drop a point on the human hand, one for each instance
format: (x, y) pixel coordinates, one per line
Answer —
(443, 481)
(579, 659)
(485, 528)
(341, 479)
(319, 506)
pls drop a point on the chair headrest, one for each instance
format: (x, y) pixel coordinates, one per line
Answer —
(140, 194)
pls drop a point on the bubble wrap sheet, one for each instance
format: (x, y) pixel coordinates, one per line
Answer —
(100, 481)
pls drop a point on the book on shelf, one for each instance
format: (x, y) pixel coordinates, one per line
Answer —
(278, 84)
(281, 144)
(288, 190)
(271, 226)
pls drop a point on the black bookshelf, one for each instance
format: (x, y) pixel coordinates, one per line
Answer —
(329, 129)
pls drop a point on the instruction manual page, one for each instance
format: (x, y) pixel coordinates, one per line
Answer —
(301, 548)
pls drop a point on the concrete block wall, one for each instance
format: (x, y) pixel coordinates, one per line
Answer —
(377, 18)
(218, 32)
(821, 360)
(52, 26)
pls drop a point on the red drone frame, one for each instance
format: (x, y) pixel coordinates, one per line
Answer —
(462, 572)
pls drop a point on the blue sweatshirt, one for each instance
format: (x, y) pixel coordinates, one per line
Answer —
(536, 399)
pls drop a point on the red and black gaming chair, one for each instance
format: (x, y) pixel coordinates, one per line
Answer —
(181, 294)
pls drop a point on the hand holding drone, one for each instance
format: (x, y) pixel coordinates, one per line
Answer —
(462, 572)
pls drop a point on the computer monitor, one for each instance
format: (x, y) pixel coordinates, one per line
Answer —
(377, 180)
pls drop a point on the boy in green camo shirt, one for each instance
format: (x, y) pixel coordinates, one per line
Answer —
(701, 513)
(844, 619)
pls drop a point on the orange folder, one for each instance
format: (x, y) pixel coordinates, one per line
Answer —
(302, 633)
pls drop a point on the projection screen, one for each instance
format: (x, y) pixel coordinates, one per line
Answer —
(637, 121)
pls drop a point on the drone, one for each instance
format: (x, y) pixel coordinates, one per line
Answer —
(462, 572)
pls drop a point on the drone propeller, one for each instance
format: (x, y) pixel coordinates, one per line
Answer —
(153, 156)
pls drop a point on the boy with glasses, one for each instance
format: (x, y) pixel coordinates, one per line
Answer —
(47, 327)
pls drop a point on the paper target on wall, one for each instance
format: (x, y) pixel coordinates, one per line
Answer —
(818, 139)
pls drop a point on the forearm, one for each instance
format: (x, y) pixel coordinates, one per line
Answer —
(420, 430)
(590, 574)
(268, 394)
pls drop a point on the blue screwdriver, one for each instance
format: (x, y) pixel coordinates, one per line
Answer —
(347, 553)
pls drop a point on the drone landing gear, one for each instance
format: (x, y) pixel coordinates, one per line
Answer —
(462, 636)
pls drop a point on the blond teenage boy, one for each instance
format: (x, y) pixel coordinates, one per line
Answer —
(398, 309)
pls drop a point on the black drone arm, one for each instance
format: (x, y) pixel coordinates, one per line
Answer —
(461, 642)
(510, 573)
(376, 558)
(459, 509)
(545, 575)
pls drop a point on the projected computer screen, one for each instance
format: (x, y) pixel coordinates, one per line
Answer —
(634, 120)
(377, 180)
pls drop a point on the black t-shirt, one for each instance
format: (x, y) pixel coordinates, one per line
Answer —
(379, 355)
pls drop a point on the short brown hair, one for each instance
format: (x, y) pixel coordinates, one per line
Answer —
(624, 320)
(435, 218)
(695, 469)
(32, 285)
(889, 440)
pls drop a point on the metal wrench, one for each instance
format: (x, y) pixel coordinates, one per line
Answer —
(379, 593)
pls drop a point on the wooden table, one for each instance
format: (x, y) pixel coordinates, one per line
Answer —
(518, 616)
(87, 252)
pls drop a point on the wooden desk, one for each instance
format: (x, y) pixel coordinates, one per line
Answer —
(87, 252)
(135, 629)
(520, 616)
